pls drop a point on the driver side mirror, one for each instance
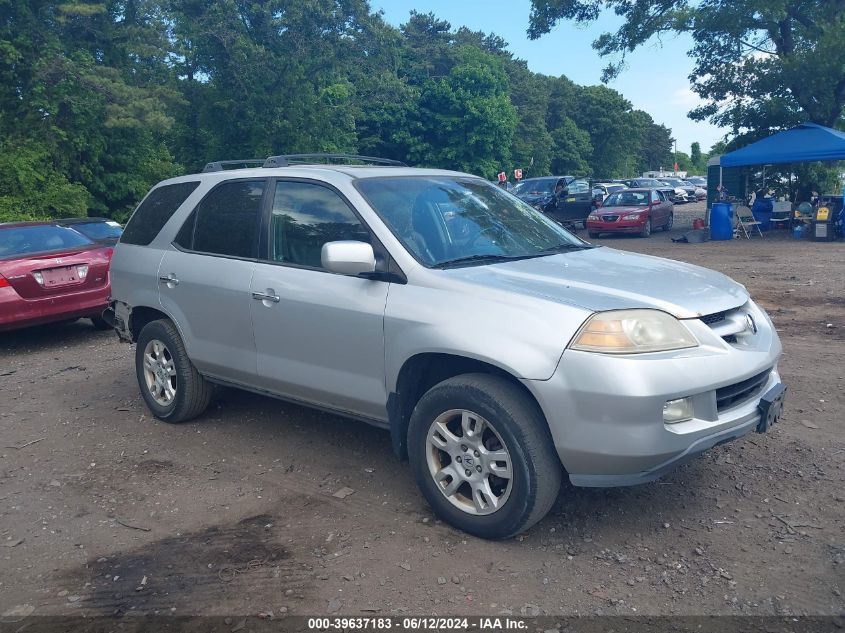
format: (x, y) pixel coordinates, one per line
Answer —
(348, 257)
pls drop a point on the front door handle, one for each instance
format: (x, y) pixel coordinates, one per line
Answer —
(270, 295)
(170, 280)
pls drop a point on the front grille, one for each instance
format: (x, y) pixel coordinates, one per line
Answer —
(727, 397)
(716, 317)
(610, 218)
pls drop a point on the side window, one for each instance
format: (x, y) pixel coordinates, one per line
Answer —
(228, 219)
(154, 212)
(655, 195)
(306, 216)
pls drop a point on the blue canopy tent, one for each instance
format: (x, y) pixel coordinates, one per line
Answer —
(808, 142)
(804, 143)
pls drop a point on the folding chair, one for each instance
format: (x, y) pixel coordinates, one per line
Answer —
(745, 223)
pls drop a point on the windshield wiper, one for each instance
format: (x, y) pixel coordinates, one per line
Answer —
(560, 248)
(479, 259)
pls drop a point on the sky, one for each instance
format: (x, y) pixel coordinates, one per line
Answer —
(655, 80)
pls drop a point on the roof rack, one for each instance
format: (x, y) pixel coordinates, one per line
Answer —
(285, 160)
(221, 165)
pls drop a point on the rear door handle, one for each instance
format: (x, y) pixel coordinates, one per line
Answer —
(170, 280)
(270, 295)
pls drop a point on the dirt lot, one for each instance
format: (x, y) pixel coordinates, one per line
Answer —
(104, 510)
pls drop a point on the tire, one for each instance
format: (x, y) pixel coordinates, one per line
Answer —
(100, 323)
(189, 393)
(669, 222)
(646, 232)
(593, 235)
(513, 426)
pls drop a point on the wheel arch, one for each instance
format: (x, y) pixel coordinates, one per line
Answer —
(421, 372)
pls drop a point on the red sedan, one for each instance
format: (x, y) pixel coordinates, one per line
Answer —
(51, 273)
(637, 211)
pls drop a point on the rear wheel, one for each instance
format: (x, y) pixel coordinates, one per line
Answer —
(482, 455)
(170, 384)
(646, 228)
(669, 222)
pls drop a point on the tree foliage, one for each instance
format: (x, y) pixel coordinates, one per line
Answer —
(760, 65)
(100, 100)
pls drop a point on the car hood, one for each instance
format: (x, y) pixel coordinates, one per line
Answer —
(607, 279)
(620, 210)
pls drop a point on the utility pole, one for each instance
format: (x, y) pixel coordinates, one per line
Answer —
(675, 158)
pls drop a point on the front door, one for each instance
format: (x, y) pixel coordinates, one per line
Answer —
(204, 282)
(319, 335)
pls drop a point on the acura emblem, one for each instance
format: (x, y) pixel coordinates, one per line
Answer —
(750, 324)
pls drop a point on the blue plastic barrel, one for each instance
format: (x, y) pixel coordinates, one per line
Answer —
(762, 210)
(721, 221)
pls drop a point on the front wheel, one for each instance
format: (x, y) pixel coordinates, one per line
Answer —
(593, 235)
(483, 456)
(646, 230)
(171, 386)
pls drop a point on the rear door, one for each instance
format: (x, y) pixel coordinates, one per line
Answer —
(204, 281)
(319, 335)
(658, 209)
(576, 205)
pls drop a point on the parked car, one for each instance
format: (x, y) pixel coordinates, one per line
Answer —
(51, 273)
(99, 230)
(650, 183)
(497, 348)
(698, 181)
(636, 211)
(573, 204)
(604, 189)
(683, 192)
(699, 193)
(538, 191)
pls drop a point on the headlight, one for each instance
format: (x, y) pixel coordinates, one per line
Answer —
(632, 216)
(632, 332)
(593, 217)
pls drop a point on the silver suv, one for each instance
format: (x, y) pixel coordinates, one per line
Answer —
(498, 349)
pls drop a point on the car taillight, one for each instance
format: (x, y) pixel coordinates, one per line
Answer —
(4, 283)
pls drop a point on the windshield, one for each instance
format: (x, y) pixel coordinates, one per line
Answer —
(535, 186)
(627, 199)
(99, 230)
(672, 181)
(442, 220)
(26, 240)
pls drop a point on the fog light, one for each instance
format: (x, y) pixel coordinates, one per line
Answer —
(677, 410)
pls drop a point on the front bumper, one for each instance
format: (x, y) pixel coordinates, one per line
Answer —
(620, 226)
(605, 412)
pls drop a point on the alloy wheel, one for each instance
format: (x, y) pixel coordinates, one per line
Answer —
(469, 462)
(160, 372)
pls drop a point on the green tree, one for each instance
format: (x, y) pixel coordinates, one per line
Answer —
(760, 66)
(697, 162)
(467, 120)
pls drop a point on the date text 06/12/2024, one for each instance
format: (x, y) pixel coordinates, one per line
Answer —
(386, 623)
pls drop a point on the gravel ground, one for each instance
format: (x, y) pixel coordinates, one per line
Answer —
(104, 510)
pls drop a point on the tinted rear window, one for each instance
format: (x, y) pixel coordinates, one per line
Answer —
(155, 211)
(27, 240)
(99, 230)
